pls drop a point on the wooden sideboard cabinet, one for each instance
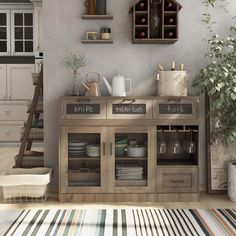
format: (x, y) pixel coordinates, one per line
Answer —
(110, 149)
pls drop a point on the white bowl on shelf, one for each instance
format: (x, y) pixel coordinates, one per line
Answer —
(93, 150)
(136, 151)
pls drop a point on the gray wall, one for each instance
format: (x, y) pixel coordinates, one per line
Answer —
(63, 30)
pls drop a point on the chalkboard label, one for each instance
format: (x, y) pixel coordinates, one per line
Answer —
(83, 109)
(128, 108)
(175, 109)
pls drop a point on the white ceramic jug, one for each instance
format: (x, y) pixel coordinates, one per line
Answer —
(118, 86)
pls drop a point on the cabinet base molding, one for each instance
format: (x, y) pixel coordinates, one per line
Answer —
(147, 197)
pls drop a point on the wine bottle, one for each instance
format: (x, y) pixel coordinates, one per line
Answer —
(169, 6)
(169, 34)
(142, 21)
(155, 19)
(141, 7)
(142, 34)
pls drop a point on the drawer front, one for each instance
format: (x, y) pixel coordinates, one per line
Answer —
(13, 112)
(83, 108)
(177, 180)
(126, 108)
(10, 133)
(176, 108)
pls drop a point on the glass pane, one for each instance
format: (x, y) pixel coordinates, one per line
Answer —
(84, 159)
(18, 46)
(28, 32)
(18, 18)
(28, 19)
(3, 46)
(131, 159)
(28, 46)
(3, 19)
(18, 32)
(3, 33)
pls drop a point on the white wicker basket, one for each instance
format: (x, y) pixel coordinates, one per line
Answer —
(172, 83)
(25, 183)
(232, 180)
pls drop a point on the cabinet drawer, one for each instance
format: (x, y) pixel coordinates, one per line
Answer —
(177, 108)
(83, 108)
(176, 179)
(9, 111)
(126, 108)
(10, 132)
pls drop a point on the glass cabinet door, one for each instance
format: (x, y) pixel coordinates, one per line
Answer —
(84, 159)
(4, 32)
(131, 159)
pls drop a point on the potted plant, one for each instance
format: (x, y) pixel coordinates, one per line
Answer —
(218, 81)
(75, 63)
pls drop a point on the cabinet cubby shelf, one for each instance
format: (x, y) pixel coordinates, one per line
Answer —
(170, 12)
(97, 41)
(97, 17)
(83, 158)
(141, 26)
(141, 12)
(134, 182)
(170, 26)
(131, 158)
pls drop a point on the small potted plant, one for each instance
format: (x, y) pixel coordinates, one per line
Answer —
(75, 63)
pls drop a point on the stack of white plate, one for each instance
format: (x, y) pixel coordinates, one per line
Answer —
(78, 149)
(93, 150)
(129, 172)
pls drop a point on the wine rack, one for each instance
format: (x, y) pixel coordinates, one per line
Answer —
(155, 21)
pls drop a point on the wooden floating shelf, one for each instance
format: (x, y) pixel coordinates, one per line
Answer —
(97, 41)
(152, 41)
(97, 17)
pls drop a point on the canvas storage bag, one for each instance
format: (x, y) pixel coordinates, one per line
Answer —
(172, 83)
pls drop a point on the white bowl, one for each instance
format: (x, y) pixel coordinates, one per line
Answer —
(136, 151)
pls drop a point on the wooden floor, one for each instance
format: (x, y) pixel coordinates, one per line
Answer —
(7, 153)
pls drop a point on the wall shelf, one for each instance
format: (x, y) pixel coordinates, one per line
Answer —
(96, 41)
(153, 41)
(97, 17)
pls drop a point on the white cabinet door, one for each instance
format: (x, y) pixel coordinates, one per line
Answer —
(3, 81)
(19, 81)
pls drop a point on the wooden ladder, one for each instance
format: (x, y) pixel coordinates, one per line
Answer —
(26, 142)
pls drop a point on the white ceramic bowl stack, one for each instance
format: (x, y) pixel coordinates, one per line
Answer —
(93, 150)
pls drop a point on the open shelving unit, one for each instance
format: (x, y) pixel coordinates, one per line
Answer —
(97, 17)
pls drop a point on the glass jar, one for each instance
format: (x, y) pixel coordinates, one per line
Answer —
(105, 33)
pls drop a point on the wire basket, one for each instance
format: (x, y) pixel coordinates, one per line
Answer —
(25, 185)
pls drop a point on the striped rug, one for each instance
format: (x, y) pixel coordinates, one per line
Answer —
(128, 222)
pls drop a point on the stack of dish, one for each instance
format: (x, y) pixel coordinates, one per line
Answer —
(129, 172)
(75, 148)
(93, 150)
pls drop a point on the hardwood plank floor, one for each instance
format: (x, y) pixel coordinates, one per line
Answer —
(7, 154)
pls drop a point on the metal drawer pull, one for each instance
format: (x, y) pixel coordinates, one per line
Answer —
(7, 110)
(104, 148)
(110, 149)
(83, 100)
(130, 100)
(177, 181)
(6, 131)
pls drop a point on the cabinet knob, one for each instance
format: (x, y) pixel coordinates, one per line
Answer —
(7, 111)
(6, 132)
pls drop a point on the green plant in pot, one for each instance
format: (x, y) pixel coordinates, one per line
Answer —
(218, 81)
(75, 63)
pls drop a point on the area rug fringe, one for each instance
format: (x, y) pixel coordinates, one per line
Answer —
(125, 222)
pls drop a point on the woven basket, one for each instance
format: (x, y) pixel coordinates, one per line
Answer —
(172, 83)
(19, 183)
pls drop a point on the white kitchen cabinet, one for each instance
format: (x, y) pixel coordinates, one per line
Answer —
(16, 88)
(3, 81)
(16, 81)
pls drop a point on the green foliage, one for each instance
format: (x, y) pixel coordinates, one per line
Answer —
(218, 80)
(74, 62)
